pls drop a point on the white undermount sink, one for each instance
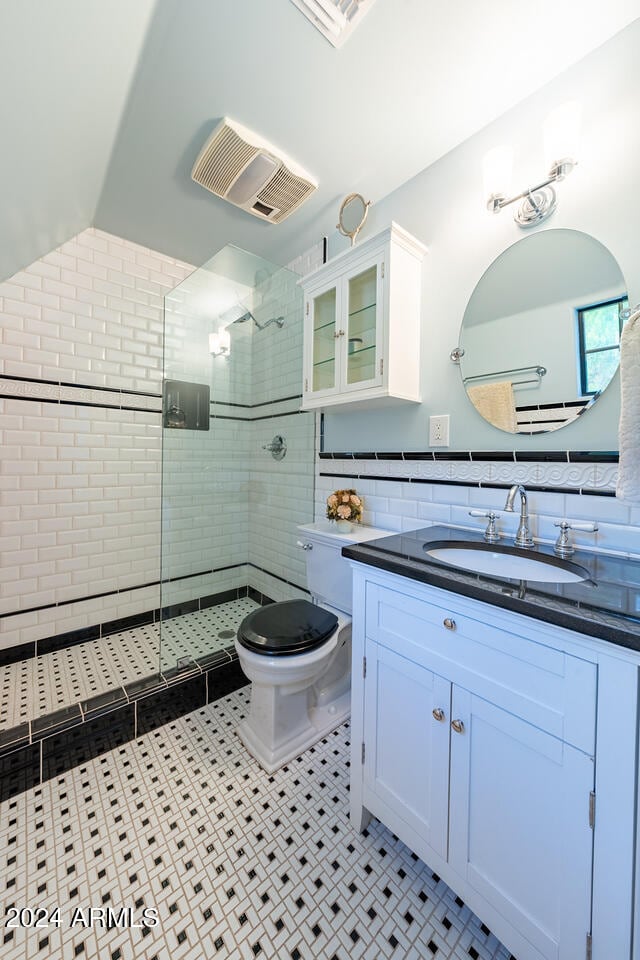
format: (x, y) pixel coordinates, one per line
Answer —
(498, 561)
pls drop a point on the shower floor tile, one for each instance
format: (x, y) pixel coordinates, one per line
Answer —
(42, 685)
(236, 864)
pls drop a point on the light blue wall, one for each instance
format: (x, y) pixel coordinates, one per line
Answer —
(445, 208)
(65, 70)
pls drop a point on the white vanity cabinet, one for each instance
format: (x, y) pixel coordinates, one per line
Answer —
(362, 324)
(474, 740)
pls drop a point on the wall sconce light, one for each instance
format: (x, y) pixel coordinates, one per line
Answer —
(220, 343)
(561, 131)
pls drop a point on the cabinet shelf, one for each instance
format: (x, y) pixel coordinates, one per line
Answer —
(323, 363)
(367, 351)
(369, 306)
(325, 326)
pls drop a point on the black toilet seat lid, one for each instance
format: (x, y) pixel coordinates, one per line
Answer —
(292, 626)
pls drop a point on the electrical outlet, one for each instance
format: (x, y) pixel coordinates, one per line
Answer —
(439, 430)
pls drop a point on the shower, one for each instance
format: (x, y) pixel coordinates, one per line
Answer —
(279, 321)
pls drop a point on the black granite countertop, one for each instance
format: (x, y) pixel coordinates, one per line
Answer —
(605, 605)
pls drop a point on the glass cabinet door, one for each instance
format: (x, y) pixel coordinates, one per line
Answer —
(324, 340)
(362, 322)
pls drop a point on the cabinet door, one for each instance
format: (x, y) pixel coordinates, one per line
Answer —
(323, 336)
(361, 342)
(407, 747)
(519, 831)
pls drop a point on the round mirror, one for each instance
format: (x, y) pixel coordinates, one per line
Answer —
(540, 338)
(353, 213)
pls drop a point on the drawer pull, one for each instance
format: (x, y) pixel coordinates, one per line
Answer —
(438, 714)
(449, 623)
(458, 726)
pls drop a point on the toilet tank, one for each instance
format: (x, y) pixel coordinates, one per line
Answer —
(328, 572)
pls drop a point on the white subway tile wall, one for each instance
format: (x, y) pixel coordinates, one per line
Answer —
(280, 497)
(398, 504)
(81, 366)
(80, 466)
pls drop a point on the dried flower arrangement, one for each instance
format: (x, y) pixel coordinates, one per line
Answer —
(344, 505)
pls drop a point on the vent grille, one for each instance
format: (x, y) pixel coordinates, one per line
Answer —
(335, 19)
(241, 167)
(285, 192)
(222, 161)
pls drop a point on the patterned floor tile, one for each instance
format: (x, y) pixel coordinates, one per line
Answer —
(40, 686)
(236, 864)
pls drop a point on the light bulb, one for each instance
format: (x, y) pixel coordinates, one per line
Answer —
(562, 134)
(497, 168)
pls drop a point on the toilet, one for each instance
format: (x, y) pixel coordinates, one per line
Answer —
(297, 654)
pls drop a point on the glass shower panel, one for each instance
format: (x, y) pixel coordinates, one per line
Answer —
(232, 348)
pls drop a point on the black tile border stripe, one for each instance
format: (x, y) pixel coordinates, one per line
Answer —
(123, 393)
(115, 593)
(515, 456)
(253, 406)
(267, 416)
(72, 638)
(81, 386)
(583, 491)
(31, 732)
(75, 737)
(81, 403)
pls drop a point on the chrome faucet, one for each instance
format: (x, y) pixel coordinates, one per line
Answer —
(523, 536)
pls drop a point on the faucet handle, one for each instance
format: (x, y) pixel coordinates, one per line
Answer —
(563, 546)
(491, 534)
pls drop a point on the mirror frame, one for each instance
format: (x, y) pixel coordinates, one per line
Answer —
(341, 226)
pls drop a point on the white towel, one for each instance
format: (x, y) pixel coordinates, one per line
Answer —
(628, 487)
(494, 401)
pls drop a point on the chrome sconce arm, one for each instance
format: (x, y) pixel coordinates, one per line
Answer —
(561, 132)
(538, 202)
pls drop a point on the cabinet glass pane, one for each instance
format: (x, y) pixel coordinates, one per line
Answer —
(324, 342)
(361, 326)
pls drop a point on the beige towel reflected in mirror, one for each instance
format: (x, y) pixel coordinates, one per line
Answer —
(495, 402)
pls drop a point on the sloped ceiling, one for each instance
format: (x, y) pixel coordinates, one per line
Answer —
(110, 101)
(66, 69)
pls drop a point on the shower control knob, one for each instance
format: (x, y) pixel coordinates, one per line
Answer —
(304, 546)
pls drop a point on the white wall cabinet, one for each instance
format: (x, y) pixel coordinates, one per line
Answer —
(474, 740)
(362, 324)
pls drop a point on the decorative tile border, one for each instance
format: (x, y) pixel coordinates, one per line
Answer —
(81, 395)
(569, 471)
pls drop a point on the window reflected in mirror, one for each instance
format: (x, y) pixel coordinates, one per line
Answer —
(599, 329)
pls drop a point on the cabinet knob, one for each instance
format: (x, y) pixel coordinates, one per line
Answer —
(449, 623)
(458, 726)
(304, 546)
(438, 714)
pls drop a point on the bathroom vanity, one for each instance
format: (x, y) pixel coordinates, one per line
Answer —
(495, 732)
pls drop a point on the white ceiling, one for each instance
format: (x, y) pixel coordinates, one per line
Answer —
(107, 103)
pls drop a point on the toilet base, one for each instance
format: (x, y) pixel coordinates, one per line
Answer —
(321, 721)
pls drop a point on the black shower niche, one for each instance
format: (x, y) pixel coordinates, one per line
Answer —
(185, 405)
